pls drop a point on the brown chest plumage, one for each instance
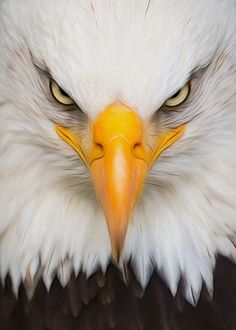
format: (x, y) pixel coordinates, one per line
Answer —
(105, 302)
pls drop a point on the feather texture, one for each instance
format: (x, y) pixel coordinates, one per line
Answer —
(141, 53)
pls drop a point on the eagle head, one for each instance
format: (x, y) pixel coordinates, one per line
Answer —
(117, 138)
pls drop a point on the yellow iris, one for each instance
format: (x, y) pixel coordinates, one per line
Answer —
(179, 97)
(59, 94)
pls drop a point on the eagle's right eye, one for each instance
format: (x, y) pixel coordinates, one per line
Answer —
(59, 94)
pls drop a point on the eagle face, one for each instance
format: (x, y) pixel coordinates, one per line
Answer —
(117, 138)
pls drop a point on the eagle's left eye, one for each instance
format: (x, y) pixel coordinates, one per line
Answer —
(59, 94)
(179, 97)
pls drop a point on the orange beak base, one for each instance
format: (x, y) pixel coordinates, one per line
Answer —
(119, 161)
(118, 170)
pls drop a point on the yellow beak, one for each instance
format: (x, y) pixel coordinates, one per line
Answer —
(119, 161)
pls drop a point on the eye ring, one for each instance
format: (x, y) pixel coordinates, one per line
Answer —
(59, 94)
(180, 97)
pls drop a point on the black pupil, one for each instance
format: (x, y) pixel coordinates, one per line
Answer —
(64, 93)
(175, 95)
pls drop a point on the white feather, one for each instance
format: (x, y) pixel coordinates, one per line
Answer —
(102, 52)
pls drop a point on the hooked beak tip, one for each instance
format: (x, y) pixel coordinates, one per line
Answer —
(117, 243)
(115, 256)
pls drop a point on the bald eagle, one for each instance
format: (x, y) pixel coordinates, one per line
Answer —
(118, 164)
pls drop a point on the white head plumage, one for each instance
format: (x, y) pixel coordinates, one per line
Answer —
(139, 53)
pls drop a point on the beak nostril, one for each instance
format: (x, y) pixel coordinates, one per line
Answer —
(97, 151)
(99, 147)
(138, 150)
(137, 145)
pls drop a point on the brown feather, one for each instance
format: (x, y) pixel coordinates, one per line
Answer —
(106, 302)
